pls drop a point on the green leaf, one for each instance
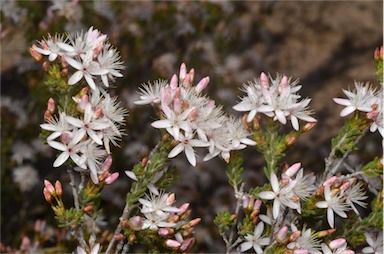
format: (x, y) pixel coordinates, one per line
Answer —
(373, 168)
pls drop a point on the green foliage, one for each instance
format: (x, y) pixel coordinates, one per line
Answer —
(348, 134)
(234, 170)
(67, 218)
(373, 168)
(224, 220)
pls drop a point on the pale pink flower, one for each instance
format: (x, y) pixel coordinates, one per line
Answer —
(255, 241)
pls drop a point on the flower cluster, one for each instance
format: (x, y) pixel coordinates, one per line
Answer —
(169, 222)
(86, 139)
(288, 191)
(193, 119)
(90, 54)
(341, 196)
(365, 99)
(277, 98)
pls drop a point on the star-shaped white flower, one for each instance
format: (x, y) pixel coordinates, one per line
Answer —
(255, 240)
(375, 243)
(186, 144)
(281, 195)
(334, 204)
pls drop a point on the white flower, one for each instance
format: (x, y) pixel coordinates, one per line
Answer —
(150, 93)
(57, 126)
(334, 204)
(305, 185)
(92, 157)
(109, 59)
(186, 144)
(306, 241)
(355, 195)
(281, 195)
(50, 47)
(361, 99)
(254, 240)
(94, 250)
(69, 149)
(25, 177)
(375, 243)
(86, 68)
(337, 246)
(89, 125)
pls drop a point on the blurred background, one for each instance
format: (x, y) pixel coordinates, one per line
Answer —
(327, 45)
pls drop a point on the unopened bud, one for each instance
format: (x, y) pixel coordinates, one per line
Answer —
(301, 251)
(330, 181)
(292, 170)
(45, 66)
(51, 105)
(187, 244)
(98, 113)
(119, 236)
(144, 162)
(248, 203)
(173, 84)
(320, 190)
(125, 223)
(233, 217)
(288, 252)
(257, 205)
(281, 236)
(254, 215)
(187, 232)
(111, 178)
(165, 231)
(58, 188)
(244, 122)
(337, 183)
(25, 244)
(191, 75)
(172, 244)
(264, 81)
(47, 116)
(174, 143)
(49, 187)
(36, 55)
(337, 243)
(308, 126)
(136, 222)
(64, 72)
(202, 84)
(183, 72)
(131, 238)
(324, 233)
(290, 140)
(183, 208)
(107, 163)
(295, 198)
(256, 123)
(64, 63)
(293, 237)
(165, 137)
(174, 218)
(345, 186)
(376, 54)
(193, 115)
(170, 199)
(194, 222)
(88, 208)
(47, 195)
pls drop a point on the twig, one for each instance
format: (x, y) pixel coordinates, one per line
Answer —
(238, 194)
(331, 170)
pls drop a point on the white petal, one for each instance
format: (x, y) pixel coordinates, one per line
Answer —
(341, 101)
(245, 246)
(274, 182)
(259, 230)
(161, 124)
(104, 78)
(65, 46)
(52, 57)
(341, 214)
(276, 208)
(322, 204)
(251, 115)
(265, 108)
(57, 145)
(348, 110)
(280, 116)
(78, 136)
(176, 150)
(74, 121)
(242, 107)
(131, 175)
(95, 249)
(61, 159)
(248, 141)
(153, 189)
(94, 137)
(330, 217)
(54, 135)
(258, 249)
(295, 122)
(76, 77)
(75, 64)
(48, 127)
(190, 153)
(267, 195)
(90, 81)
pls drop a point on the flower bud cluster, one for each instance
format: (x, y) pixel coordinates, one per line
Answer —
(367, 100)
(86, 140)
(193, 119)
(171, 224)
(90, 54)
(341, 196)
(276, 98)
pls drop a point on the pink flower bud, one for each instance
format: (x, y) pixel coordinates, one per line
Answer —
(376, 54)
(51, 105)
(187, 243)
(64, 63)
(194, 113)
(309, 126)
(264, 80)
(49, 187)
(36, 55)
(248, 202)
(345, 186)
(47, 195)
(293, 237)
(292, 170)
(170, 199)
(183, 208)
(58, 188)
(110, 179)
(136, 222)
(337, 243)
(257, 205)
(165, 96)
(330, 181)
(191, 75)
(202, 84)
(119, 236)
(183, 72)
(194, 222)
(348, 252)
(25, 243)
(283, 82)
(172, 243)
(107, 163)
(186, 82)
(282, 234)
(177, 105)
(165, 231)
(173, 84)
